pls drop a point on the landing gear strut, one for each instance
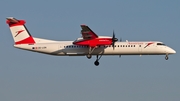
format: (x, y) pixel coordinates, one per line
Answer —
(97, 60)
(89, 56)
(96, 63)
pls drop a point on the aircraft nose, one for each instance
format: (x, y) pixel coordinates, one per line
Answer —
(172, 51)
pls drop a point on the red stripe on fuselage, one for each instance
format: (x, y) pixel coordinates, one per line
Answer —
(28, 40)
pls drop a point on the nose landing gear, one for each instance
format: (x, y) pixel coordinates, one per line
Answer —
(166, 57)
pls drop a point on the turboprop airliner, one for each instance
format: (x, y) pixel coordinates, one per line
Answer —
(90, 44)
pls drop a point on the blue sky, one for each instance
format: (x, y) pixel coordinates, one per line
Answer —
(28, 76)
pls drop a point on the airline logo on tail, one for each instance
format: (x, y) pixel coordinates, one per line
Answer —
(18, 32)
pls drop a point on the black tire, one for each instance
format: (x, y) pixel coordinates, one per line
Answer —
(89, 56)
(166, 57)
(96, 63)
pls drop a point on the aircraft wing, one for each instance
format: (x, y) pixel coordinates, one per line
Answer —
(87, 33)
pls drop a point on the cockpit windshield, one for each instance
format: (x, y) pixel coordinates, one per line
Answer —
(161, 44)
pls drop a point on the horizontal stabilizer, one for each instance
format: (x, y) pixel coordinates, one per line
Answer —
(12, 20)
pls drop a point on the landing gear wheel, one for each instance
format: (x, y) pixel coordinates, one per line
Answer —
(96, 63)
(97, 60)
(166, 57)
(89, 56)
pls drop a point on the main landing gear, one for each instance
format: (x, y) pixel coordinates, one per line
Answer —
(97, 60)
(89, 56)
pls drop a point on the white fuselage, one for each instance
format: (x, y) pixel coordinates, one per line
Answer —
(66, 48)
(108, 45)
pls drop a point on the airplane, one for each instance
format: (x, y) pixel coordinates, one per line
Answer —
(90, 44)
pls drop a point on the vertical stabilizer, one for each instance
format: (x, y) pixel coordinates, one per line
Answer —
(19, 31)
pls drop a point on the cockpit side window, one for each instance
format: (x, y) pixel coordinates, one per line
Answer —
(161, 44)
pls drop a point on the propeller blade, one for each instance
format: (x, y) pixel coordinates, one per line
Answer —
(113, 35)
(114, 39)
(113, 45)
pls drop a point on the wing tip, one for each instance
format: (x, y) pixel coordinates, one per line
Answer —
(83, 25)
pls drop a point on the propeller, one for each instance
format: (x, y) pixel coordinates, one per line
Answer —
(114, 39)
